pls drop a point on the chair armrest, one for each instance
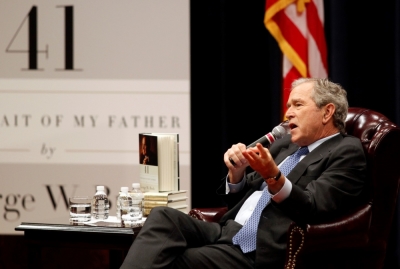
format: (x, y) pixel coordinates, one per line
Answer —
(208, 214)
(344, 233)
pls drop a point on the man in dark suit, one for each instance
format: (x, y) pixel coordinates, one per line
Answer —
(326, 182)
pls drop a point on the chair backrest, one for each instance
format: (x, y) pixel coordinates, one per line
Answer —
(381, 141)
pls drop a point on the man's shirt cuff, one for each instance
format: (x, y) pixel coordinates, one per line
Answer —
(234, 188)
(283, 193)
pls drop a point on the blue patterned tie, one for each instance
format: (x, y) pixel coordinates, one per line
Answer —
(293, 159)
(246, 238)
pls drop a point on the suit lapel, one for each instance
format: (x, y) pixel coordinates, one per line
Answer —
(315, 156)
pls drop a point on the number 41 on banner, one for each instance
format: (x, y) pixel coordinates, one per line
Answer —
(33, 51)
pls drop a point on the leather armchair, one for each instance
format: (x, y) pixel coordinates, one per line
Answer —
(359, 239)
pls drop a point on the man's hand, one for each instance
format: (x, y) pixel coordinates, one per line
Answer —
(236, 169)
(260, 159)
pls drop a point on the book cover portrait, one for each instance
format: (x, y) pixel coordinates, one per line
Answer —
(148, 149)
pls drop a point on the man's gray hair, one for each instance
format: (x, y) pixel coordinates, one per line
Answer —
(325, 92)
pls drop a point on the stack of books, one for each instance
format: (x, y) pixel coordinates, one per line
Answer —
(173, 199)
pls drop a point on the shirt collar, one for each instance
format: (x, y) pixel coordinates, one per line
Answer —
(314, 145)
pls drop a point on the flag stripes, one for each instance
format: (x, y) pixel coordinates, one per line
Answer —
(298, 27)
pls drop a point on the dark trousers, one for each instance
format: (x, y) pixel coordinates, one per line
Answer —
(172, 239)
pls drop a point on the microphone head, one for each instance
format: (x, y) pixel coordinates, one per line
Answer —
(278, 132)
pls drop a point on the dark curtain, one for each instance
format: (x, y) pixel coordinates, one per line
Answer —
(236, 76)
(235, 86)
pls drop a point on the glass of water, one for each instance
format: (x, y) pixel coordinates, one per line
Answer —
(79, 209)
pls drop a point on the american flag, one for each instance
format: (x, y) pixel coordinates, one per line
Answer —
(298, 27)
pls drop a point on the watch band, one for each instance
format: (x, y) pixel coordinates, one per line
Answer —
(277, 177)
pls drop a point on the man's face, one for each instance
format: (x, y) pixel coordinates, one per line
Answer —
(144, 146)
(305, 118)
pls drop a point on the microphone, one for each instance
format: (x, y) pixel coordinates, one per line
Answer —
(277, 133)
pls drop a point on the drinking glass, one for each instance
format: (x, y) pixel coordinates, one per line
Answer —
(79, 209)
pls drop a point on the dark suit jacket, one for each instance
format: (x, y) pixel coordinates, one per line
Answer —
(327, 182)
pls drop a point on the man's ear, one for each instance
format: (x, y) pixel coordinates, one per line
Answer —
(329, 110)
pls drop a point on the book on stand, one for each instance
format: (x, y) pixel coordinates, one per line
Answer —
(159, 162)
(173, 199)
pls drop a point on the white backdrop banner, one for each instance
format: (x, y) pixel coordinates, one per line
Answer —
(79, 80)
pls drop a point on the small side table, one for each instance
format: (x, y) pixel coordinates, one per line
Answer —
(55, 234)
